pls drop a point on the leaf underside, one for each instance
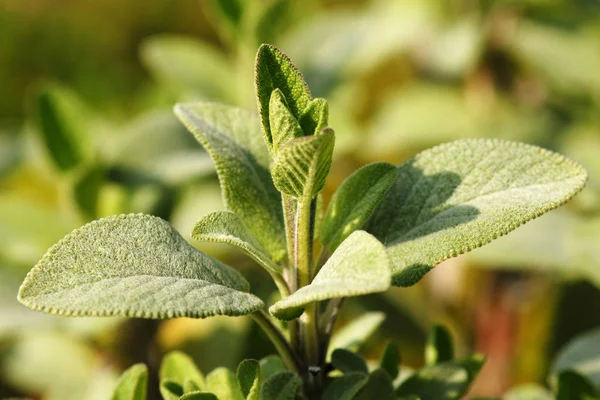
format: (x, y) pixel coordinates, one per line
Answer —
(461, 195)
(133, 265)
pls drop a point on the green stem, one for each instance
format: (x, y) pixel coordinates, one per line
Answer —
(282, 285)
(282, 346)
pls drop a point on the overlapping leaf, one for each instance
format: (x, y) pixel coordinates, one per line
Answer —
(133, 384)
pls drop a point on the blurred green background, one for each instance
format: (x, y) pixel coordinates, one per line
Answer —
(86, 130)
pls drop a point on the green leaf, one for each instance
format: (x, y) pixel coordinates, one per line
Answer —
(231, 136)
(170, 390)
(390, 360)
(315, 117)
(192, 385)
(133, 384)
(133, 265)
(440, 347)
(271, 365)
(198, 396)
(573, 386)
(379, 386)
(472, 364)
(300, 168)
(461, 195)
(178, 367)
(354, 201)
(274, 70)
(281, 386)
(347, 361)
(582, 355)
(353, 335)
(345, 387)
(224, 384)
(284, 125)
(444, 381)
(232, 10)
(227, 227)
(359, 266)
(528, 391)
(60, 124)
(248, 375)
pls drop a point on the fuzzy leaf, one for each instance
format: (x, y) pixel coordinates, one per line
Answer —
(281, 386)
(227, 227)
(439, 346)
(271, 365)
(445, 381)
(132, 384)
(223, 383)
(353, 335)
(274, 70)
(248, 375)
(461, 195)
(573, 386)
(379, 386)
(390, 360)
(198, 395)
(354, 201)
(359, 266)
(345, 387)
(315, 117)
(177, 366)
(133, 265)
(231, 136)
(284, 125)
(347, 361)
(300, 168)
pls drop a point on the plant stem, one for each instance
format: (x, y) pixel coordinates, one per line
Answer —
(281, 284)
(282, 346)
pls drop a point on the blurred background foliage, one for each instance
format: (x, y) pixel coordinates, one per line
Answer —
(86, 130)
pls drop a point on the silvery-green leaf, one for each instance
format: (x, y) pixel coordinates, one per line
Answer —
(353, 335)
(582, 355)
(345, 387)
(315, 117)
(178, 367)
(359, 266)
(354, 201)
(133, 384)
(227, 227)
(461, 195)
(440, 347)
(284, 125)
(281, 386)
(133, 265)
(274, 70)
(249, 378)
(347, 361)
(446, 381)
(232, 137)
(223, 383)
(300, 168)
(379, 386)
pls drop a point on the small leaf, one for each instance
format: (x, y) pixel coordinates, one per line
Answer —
(379, 386)
(281, 386)
(347, 361)
(440, 347)
(133, 384)
(582, 355)
(271, 365)
(353, 335)
(133, 265)
(390, 360)
(459, 196)
(248, 375)
(231, 136)
(198, 395)
(274, 70)
(345, 387)
(170, 390)
(232, 10)
(227, 227)
(359, 266)
(300, 168)
(354, 201)
(528, 391)
(224, 384)
(472, 364)
(314, 117)
(573, 386)
(178, 367)
(444, 381)
(284, 126)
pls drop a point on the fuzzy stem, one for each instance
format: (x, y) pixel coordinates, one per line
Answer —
(282, 346)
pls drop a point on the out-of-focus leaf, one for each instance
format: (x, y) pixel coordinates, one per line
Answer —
(573, 386)
(347, 361)
(198, 396)
(170, 390)
(224, 384)
(379, 386)
(231, 10)
(440, 347)
(270, 366)
(582, 355)
(354, 334)
(133, 384)
(345, 387)
(178, 367)
(390, 360)
(281, 386)
(87, 189)
(529, 391)
(133, 259)
(438, 382)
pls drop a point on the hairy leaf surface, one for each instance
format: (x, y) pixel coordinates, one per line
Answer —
(461, 195)
(133, 265)
(284, 125)
(231, 136)
(281, 386)
(249, 378)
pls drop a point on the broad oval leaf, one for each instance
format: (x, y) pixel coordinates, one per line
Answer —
(347, 361)
(232, 138)
(354, 201)
(249, 378)
(133, 265)
(224, 384)
(281, 386)
(359, 266)
(461, 195)
(178, 367)
(345, 387)
(227, 227)
(275, 70)
(284, 125)
(300, 168)
(132, 384)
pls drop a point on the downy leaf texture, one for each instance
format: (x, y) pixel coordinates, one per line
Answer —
(224, 384)
(359, 266)
(281, 386)
(249, 378)
(133, 265)
(315, 117)
(132, 384)
(232, 138)
(284, 125)
(456, 197)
